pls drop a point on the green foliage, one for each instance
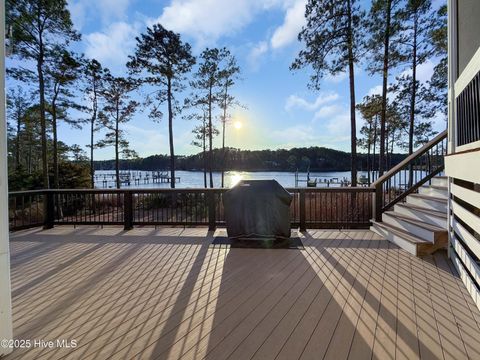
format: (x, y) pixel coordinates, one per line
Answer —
(74, 175)
(321, 159)
(438, 84)
(384, 25)
(21, 179)
(332, 26)
(93, 81)
(215, 74)
(38, 27)
(332, 37)
(162, 60)
(118, 109)
(39, 30)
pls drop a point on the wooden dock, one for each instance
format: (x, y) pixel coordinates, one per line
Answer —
(134, 178)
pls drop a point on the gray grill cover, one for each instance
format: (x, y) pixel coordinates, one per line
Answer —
(257, 208)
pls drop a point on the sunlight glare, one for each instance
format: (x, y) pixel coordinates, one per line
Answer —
(236, 177)
(238, 125)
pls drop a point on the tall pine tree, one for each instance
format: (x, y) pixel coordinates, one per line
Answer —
(229, 74)
(38, 27)
(383, 24)
(118, 109)
(332, 39)
(162, 60)
(207, 87)
(93, 77)
(62, 71)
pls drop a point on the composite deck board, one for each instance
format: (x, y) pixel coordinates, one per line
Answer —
(169, 293)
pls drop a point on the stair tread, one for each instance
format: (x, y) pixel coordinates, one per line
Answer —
(431, 212)
(403, 234)
(438, 187)
(416, 222)
(429, 197)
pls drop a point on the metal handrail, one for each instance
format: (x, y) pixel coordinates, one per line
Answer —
(437, 139)
(383, 186)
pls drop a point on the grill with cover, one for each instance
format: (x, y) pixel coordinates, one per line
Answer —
(258, 211)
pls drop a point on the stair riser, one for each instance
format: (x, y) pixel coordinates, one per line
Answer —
(433, 192)
(404, 244)
(429, 204)
(410, 228)
(439, 181)
(433, 220)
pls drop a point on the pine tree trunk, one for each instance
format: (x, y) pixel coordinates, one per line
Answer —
(170, 133)
(117, 160)
(351, 71)
(375, 135)
(223, 150)
(43, 125)
(92, 131)
(92, 168)
(381, 165)
(223, 130)
(205, 185)
(369, 162)
(204, 151)
(56, 182)
(413, 97)
(210, 137)
(17, 143)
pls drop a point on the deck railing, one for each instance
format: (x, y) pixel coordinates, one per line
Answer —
(468, 113)
(310, 208)
(406, 177)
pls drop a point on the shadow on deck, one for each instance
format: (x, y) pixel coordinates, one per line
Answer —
(168, 293)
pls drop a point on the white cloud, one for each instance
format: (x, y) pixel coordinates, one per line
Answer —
(307, 135)
(105, 10)
(338, 78)
(424, 71)
(327, 111)
(146, 141)
(339, 124)
(302, 134)
(295, 101)
(77, 13)
(256, 53)
(113, 45)
(207, 20)
(112, 9)
(292, 24)
(376, 90)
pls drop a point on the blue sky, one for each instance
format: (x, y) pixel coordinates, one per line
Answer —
(281, 111)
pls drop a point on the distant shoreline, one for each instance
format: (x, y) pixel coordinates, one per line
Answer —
(317, 159)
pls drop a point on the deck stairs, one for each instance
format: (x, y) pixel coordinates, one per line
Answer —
(418, 225)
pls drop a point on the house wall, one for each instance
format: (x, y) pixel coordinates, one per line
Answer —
(462, 165)
(5, 293)
(468, 31)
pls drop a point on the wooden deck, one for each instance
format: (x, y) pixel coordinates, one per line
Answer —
(170, 294)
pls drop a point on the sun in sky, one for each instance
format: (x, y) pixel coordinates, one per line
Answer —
(238, 125)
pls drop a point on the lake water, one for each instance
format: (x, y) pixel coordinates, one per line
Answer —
(194, 179)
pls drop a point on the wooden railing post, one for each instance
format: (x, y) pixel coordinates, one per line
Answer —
(49, 210)
(378, 202)
(303, 223)
(211, 210)
(127, 210)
